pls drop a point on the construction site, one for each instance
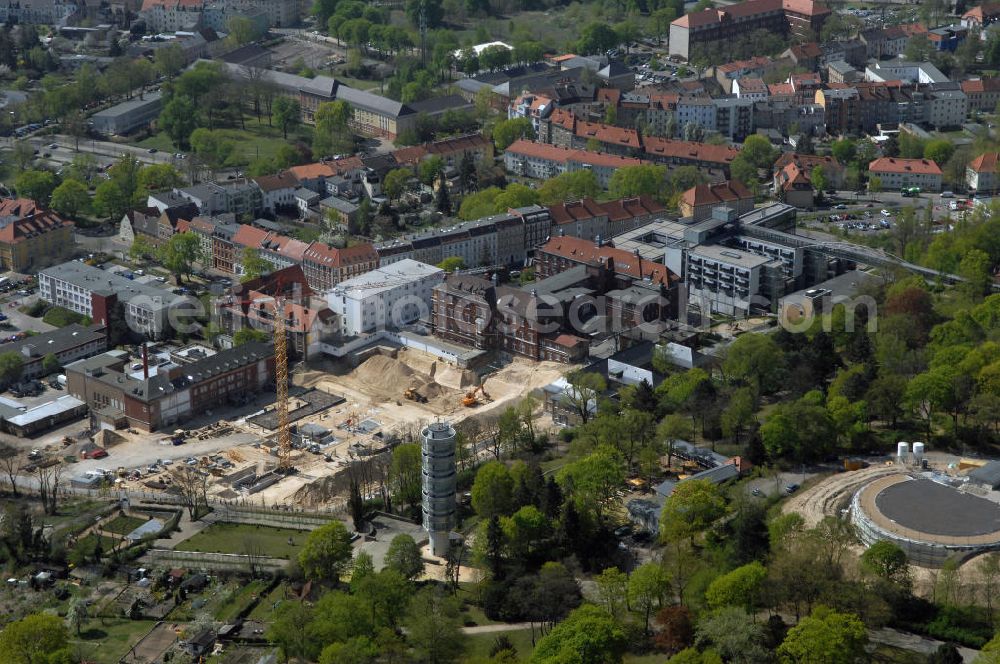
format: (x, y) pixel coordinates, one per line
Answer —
(294, 445)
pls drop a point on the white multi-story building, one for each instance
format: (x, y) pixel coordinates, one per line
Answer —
(947, 108)
(898, 173)
(387, 297)
(172, 15)
(92, 292)
(723, 280)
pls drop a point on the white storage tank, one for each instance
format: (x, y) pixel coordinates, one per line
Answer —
(902, 451)
(918, 452)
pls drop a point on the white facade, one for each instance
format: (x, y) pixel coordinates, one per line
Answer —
(723, 280)
(390, 296)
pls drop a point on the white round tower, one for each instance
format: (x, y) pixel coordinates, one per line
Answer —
(438, 484)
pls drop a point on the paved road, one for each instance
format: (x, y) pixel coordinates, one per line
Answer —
(23, 321)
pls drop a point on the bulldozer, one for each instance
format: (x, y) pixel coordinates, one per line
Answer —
(412, 395)
(476, 396)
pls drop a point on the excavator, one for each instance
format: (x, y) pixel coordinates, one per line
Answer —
(412, 395)
(471, 399)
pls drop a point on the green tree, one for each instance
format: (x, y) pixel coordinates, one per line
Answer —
(612, 587)
(569, 186)
(433, 627)
(506, 132)
(246, 335)
(70, 198)
(740, 587)
(180, 253)
(492, 490)
(326, 555)
(647, 589)
(825, 637)
(452, 263)
(733, 634)
(430, 169)
(404, 473)
(597, 37)
(939, 150)
(110, 201)
(404, 556)
(169, 60)
(254, 265)
(977, 270)
(843, 149)
(758, 151)
(594, 480)
(32, 639)
(50, 364)
(332, 133)
(818, 178)
(395, 182)
(742, 170)
(584, 389)
(756, 360)
(289, 630)
(589, 635)
(645, 180)
(286, 112)
(76, 615)
(693, 506)
(141, 249)
(36, 185)
(240, 30)
(178, 119)
(11, 366)
(156, 177)
(211, 147)
(886, 560)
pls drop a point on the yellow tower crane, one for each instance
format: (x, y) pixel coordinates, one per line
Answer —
(281, 381)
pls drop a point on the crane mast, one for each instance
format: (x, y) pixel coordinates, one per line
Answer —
(281, 381)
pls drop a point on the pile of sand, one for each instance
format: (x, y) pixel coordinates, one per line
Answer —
(455, 378)
(385, 374)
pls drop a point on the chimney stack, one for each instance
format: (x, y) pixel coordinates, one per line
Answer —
(145, 361)
(638, 260)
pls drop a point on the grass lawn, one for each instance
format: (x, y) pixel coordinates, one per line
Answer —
(238, 599)
(479, 644)
(267, 605)
(256, 140)
(234, 538)
(123, 525)
(107, 643)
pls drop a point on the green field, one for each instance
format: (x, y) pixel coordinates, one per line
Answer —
(267, 605)
(479, 644)
(123, 525)
(107, 641)
(250, 143)
(238, 599)
(235, 538)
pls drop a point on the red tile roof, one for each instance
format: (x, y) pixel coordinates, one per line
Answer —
(894, 165)
(978, 85)
(18, 207)
(608, 134)
(749, 9)
(24, 228)
(276, 182)
(324, 254)
(312, 171)
(807, 161)
(571, 211)
(410, 156)
(715, 194)
(809, 50)
(250, 236)
(988, 10)
(587, 252)
(564, 155)
(690, 150)
(985, 163)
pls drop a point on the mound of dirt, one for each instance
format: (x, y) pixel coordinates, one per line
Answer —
(455, 378)
(431, 390)
(384, 373)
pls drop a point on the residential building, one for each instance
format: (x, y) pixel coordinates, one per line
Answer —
(881, 43)
(173, 15)
(711, 27)
(129, 115)
(699, 201)
(32, 238)
(153, 398)
(540, 161)
(277, 191)
(240, 197)
(730, 72)
(839, 71)
(535, 107)
(66, 344)
(254, 304)
(947, 37)
(898, 173)
(981, 175)
(451, 150)
(93, 292)
(689, 153)
(139, 221)
(833, 170)
(908, 72)
(38, 12)
(327, 266)
(751, 88)
(981, 16)
(983, 94)
(724, 280)
(387, 297)
(344, 212)
(794, 186)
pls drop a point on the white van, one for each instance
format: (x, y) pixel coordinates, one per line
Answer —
(947, 194)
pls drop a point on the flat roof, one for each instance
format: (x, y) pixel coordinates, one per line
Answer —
(150, 98)
(57, 341)
(729, 255)
(104, 282)
(387, 277)
(55, 407)
(934, 508)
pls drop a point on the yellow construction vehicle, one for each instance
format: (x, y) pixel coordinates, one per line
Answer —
(475, 397)
(412, 395)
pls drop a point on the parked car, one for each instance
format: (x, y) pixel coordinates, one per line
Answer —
(791, 488)
(886, 213)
